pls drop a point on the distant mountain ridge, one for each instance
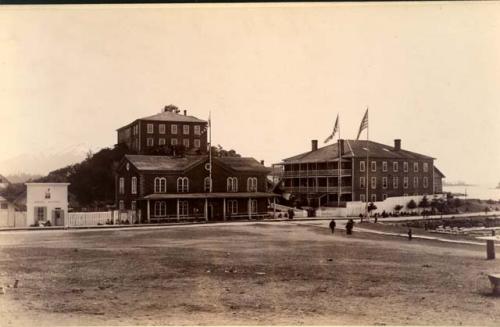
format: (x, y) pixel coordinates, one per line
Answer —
(45, 161)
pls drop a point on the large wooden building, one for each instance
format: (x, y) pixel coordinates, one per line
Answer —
(314, 177)
(168, 128)
(165, 188)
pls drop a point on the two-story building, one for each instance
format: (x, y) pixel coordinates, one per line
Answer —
(325, 177)
(163, 188)
(168, 128)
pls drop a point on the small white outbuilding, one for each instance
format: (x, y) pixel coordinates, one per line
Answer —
(46, 202)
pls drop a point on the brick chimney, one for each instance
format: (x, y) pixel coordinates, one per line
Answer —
(185, 112)
(341, 146)
(397, 144)
(262, 162)
(314, 145)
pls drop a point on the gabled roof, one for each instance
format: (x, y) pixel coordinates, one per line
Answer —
(439, 172)
(168, 163)
(4, 180)
(356, 148)
(174, 117)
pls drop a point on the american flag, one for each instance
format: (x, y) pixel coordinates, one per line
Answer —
(364, 124)
(335, 129)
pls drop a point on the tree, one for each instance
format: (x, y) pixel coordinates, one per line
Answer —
(424, 203)
(219, 151)
(398, 207)
(411, 205)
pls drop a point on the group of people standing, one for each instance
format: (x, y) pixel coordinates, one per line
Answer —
(348, 227)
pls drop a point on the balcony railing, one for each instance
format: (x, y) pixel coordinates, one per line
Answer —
(320, 172)
(319, 189)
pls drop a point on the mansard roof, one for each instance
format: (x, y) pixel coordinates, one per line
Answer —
(356, 149)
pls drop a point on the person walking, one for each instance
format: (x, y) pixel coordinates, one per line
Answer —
(332, 225)
(349, 226)
(410, 234)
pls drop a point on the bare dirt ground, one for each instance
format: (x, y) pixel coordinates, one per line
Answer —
(266, 273)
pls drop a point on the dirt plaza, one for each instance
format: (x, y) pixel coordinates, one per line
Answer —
(246, 273)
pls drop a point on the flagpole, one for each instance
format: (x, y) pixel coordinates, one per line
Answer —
(367, 162)
(210, 148)
(339, 178)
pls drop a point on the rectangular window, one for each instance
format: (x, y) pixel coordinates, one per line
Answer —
(185, 129)
(40, 213)
(183, 208)
(162, 128)
(197, 143)
(415, 167)
(405, 182)
(374, 182)
(121, 188)
(150, 141)
(185, 142)
(150, 129)
(253, 206)
(405, 166)
(362, 198)
(374, 197)
(173, 129)
(374, 166)
(161, 141)
(384, 166)
(197, 130)
(4, 206)
(232, 207)
(395, 166)
(395, 182)
(173, 141)
(426, 167)
(384, 182)
(133, 188)
(133, 206)
(426, 182)
(121, 205)
(415, 182)
(384, 197)
(361, 166)
(362, 182)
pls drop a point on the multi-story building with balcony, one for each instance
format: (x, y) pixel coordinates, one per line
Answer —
(340, 172)
(168, 128)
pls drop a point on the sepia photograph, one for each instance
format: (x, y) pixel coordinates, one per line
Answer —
(222, 164)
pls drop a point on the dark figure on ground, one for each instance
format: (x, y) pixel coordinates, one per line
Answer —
(290, 213)
(349, 226)
(410, 234)
(332, 225)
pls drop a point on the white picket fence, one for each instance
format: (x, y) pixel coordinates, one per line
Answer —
(89, 218)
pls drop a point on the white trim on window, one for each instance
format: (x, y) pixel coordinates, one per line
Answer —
(384, 166)
(160, 185)
(185, 142)
(150, 128)
(173, 129)
(207, 184)
(197, 143)
(374, 182)
(405, 182)
(160, 209)
(373, 166)
(232, 207)
(415, 167)
(405, 166)
(183, 208)
(395, 182)
(173, 141)
(182, 185)
(384, 182)
(133, 186)
(232, 184)
(121, 185)
(252, 184)
(362, 198)
(161, 141)
(150, 141)
(395, 166)
(197, 130)
(361, 182)
(161, 128)
(374, 197)
(426, 182)
(362, 166)
(415, 182)
(185, 129)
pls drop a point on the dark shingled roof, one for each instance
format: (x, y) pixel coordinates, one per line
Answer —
(439, 172)
(355, 148)
(158, 163)
(174, 117)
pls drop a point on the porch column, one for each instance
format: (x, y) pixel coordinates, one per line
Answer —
(224, 209)
(206, 209)
(249, 208)
(148, 212)
(274, 207)
(178, 217)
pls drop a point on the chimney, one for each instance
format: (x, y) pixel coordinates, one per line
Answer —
(185, 112)
(397, 144)
(341, 146)
(314, 145)
(262, 162)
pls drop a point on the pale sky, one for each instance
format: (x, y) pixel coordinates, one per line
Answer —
(274, 76)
